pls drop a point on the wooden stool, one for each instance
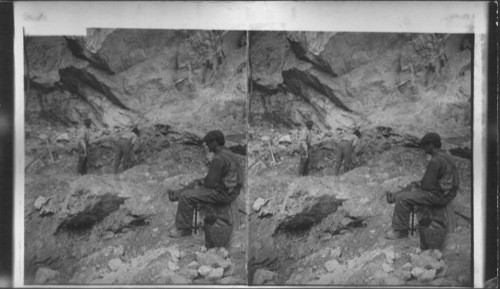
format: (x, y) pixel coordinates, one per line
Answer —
(445, 213)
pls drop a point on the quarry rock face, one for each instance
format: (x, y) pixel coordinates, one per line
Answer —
(346, 80)
(121, 77)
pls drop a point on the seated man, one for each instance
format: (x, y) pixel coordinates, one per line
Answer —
(221, 185)
(438, 187)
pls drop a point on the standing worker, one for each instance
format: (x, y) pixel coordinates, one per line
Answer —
(344, 151)
(438, 187)
(125, 149)
(304, 148)
(83, 147)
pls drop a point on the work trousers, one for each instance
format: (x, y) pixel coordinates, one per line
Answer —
(304, 166)
(344, 153)
(123, 150)
(81, 166)
(200, 195)
(406, 200)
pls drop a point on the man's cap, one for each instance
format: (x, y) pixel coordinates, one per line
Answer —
(216, 135)
(432, 138)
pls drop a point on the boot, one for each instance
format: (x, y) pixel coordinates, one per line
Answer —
(179, 233)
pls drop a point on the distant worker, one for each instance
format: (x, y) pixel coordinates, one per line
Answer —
(304, 148)
(83, 147)
(438, 187)
(345, 147)
(221, 185)
(125, 149)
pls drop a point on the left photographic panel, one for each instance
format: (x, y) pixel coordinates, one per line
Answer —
(135, 157)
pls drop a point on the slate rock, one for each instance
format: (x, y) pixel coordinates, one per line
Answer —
(172, 266)
(189, 273)
(417, 272)
(428, 275)
(204, 270)
(193, 265)
(44, 275)
(332, 265)
(215, 274)
(259, 203)
(262, 276)
(115, 264)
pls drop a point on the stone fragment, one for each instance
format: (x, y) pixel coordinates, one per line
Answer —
(286, 139)
(39, 202)
(44, 275)
(174, 253)
(417, 272)
(426, 261)
(390, 256)
(336, 253)
(437, 254)
(172, 266)
(215, 274)
(402, 274)
(223, 252)
(408, 266)
(326, 237)
(229, 270)
(204, 270)
(210, 258)
(393, 281)
(189, 273)
(332, 265)
(428, 275)
(115, 263)
(387, 268)
(63, 138)
(259, 203)
(262, 276)
(193, 265)
(179, 280)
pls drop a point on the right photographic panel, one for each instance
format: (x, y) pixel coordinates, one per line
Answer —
(359, 158)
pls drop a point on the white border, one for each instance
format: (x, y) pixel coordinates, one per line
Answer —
(72, 18)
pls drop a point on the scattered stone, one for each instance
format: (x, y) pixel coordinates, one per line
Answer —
(326, 237)
(172, 266)
(229, 270)
(428, 275)
(402, 274)
(286, 139)
(265, 138)
(332, 265)
(336, 253)
(179, 280)
(44, 275)
(193, 265)
(189, 273)
(437, 254)
(389, 256)
(372, 231)
(259, 203)
(426, 262)
(223, 252)
(155, 230)
(115, 264)
(261, 276)
(215, 274)
(39, 202)
(387, 268)
(393, 281)
(210, 258)
(203, 249)
(408, 266)
(417, 272)
(204, 270)
(63, 138)
(174, 253)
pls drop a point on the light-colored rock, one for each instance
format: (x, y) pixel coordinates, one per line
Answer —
(189, 273)
(336, 253)
(215, 274)
(262, 276)
(393, 281)
(259, 203)
(39, 202)
(223, 252)
(174, 253)
(265, 138)
(437, 254)
(210, 258)
(402, 274)
(332, 265)
(408, 266)
(63, 138)
(193, 265)
(204, 270)
(387, 268)
(172, 266)
(179, 280)
(428, 275)
(417, 272)
(286, 139)
(45, 275)
(115, 264)
(426, 261)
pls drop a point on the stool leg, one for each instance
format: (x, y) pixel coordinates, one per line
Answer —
(195, 217)
(412, 220)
